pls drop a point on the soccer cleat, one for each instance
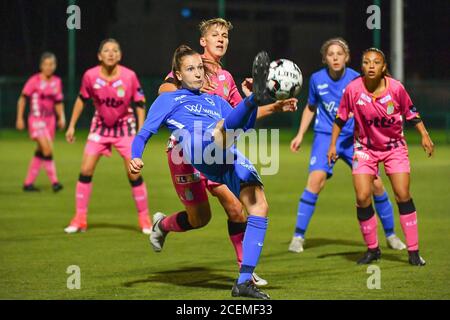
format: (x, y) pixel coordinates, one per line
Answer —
(76, 225)
(260, 72)
(296, 244)
(57, 187)
(157, 236)
(248, 289)
(145, 224)
(30, 188)
(415, 259)
(258, 281)
(370, 256)
(395, 243)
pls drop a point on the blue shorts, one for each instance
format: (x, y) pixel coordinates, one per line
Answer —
(319, 150)
(234, 175)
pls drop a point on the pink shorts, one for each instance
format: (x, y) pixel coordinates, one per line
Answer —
(189, 183)
(41, 127)
(366, 161)
(100, 145)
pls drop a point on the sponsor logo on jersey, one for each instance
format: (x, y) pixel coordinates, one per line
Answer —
(101, 82)
(111, 102)
(322, 86)
(180, 97)
(194, 108)
(117, 83)
(330, 107)
(365, 97)
(221, 77)
(386, 99)
(360, 103)
(322, 93)
(313, 160)
(382, 122)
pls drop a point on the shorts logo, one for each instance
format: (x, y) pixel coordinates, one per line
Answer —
(94, 137)
(361, 155)
(187, 178)
(313, 160)
(355, 164)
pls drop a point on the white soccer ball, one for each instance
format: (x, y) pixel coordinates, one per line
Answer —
(285, 79)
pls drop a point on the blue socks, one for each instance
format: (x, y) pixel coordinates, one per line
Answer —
(306, 207)
(252, 246)
(240, 115)
(385, 211)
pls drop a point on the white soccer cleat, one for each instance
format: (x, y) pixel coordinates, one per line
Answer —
(395, 243)
(296, 244)
(258, 281)
(157, 236)
(146, 231)
(73, 229)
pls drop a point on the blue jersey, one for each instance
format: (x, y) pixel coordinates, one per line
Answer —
(191, 116)
(326, 93)
(184, 111)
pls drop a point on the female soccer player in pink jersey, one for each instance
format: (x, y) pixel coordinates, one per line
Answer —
(113, 89)
(380, 105)
(45, 97)
(190, 184)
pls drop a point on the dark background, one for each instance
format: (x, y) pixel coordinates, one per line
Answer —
(150, 30)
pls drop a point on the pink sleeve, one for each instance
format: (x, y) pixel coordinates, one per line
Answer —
(406, 105)
(344, 106)
(28, 87)
(85, 90)
(138, 91)
(234, 97)
(59, 96)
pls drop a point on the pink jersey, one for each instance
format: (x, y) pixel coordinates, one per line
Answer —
(43, 95)
(112, 100)
(378, 120)
(226, 87)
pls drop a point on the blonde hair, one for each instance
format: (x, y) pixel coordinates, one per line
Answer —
(338, 41)
(206, 24)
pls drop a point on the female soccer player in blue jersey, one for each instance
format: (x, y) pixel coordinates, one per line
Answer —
(200, 122)
(326, 87)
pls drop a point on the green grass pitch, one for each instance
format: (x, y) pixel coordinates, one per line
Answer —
(116, 260)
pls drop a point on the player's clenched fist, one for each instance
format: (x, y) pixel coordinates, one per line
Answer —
(136, 165)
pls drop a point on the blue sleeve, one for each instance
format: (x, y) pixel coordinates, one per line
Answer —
(156, 116)
(312, 95)
(225, 107)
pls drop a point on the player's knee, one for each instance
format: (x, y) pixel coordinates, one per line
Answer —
(363, 198)
(234, 211)
(402, 196)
